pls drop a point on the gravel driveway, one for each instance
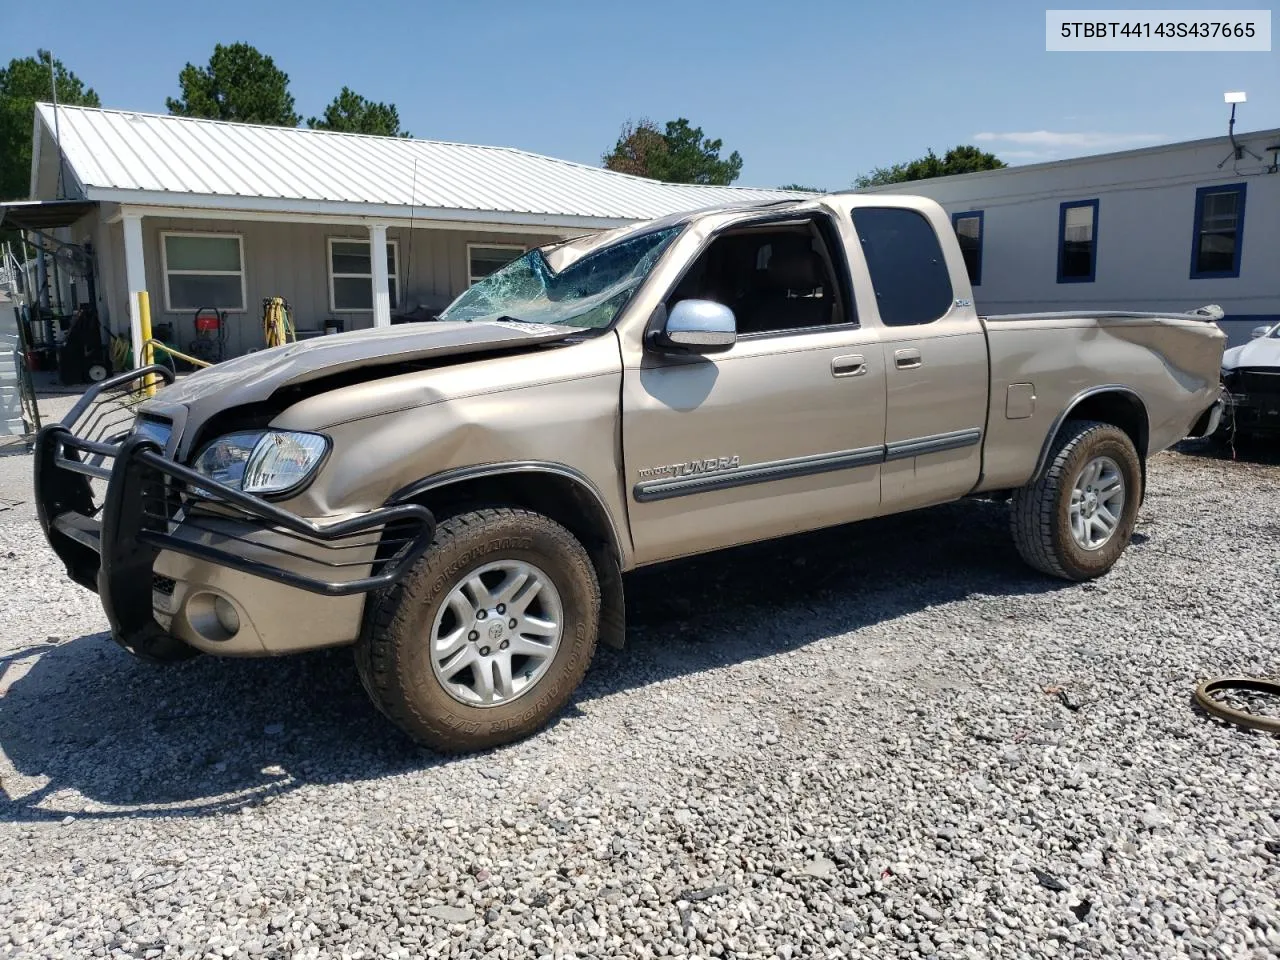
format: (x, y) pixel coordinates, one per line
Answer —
(887, 740)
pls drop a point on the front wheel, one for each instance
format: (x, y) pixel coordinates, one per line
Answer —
(1077, 518)
(488, 635)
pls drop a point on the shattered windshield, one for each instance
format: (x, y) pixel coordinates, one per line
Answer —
(590, 292)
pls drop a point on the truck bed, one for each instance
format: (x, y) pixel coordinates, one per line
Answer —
(1154, 357)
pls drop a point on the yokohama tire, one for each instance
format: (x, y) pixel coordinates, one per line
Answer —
(1040, 513)
(395, 655)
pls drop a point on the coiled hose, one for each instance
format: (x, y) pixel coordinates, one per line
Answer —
(277, 325)
(1241, 718)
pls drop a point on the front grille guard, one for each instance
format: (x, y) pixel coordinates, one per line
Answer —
(170, 495)
(102, 419)
(109, 541)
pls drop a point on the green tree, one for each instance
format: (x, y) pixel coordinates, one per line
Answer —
(677, 154)
(637, 151)
(22, 83)
(351, 113)
(962, 159)
(240, 83)
(801, 188)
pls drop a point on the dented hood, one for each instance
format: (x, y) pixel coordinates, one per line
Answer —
(254, 377)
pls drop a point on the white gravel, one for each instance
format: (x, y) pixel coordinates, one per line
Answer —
(883, 741)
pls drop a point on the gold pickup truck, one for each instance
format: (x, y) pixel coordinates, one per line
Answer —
(459, 499)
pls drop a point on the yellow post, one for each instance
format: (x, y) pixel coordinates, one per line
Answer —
(148, 351)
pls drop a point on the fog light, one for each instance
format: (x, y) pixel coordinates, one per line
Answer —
(228, 619)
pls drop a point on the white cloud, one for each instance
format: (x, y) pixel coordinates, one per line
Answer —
(1027, 154)
(1055, 142)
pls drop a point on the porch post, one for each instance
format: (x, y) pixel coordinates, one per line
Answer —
(135, 272)
(378, 255)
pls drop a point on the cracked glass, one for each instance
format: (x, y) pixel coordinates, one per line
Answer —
(589, 292)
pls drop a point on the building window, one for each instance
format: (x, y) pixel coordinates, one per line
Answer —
(351, 275)
(968, 228)
(1219, 231)
(1078, 241)
(202, 270)
(908, 271)
(484, 259)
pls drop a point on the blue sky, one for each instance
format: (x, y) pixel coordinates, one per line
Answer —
(812, 92)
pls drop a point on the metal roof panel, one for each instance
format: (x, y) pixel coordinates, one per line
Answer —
(115, 150)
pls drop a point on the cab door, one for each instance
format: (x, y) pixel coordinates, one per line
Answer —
(935, 354)
(781, 433)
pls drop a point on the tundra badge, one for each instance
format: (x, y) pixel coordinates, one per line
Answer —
(690, 468)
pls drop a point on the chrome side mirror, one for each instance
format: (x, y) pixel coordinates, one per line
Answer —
(1261, 331)
(699, 326)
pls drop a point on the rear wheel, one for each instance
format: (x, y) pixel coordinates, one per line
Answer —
(488, 636)
(1077, 518)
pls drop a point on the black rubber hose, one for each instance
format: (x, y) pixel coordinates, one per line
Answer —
(1253, 721)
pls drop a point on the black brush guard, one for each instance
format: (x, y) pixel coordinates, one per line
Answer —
(110, 545)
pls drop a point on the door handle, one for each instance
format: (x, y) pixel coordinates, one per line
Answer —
(853, 365)
(907, 359)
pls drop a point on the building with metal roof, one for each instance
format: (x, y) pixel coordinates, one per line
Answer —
(219, 216)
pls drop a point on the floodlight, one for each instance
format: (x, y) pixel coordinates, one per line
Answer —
(1238, 150)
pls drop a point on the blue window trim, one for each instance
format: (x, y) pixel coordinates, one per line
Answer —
(976, 280)
(1062, 240)
(1238, 188)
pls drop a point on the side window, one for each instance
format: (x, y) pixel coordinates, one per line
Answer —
(774, 278)
(968, 227)
(1219, 228)
(1078, 241)
(351, 275)
(907, 268)
(203, 270)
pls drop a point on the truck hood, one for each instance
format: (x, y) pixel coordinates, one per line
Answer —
(384, 351)
(1262, 352)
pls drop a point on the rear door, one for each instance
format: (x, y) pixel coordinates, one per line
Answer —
(935, 355)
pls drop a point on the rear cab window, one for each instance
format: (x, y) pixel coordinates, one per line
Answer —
(908, 270)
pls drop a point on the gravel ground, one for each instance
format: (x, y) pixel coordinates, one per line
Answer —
(883, 741)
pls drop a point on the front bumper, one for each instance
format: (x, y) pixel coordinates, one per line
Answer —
(1252, 413)
(220, 541)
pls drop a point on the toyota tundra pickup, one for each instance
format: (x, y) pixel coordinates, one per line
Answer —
(460, 498)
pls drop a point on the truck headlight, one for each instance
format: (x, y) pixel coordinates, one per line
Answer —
(263, 461)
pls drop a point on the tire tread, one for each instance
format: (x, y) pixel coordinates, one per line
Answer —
(1033, 508)
(377, 659)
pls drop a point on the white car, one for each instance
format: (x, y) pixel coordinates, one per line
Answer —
(1251, 383)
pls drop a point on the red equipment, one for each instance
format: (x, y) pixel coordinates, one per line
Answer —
(211, 335)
